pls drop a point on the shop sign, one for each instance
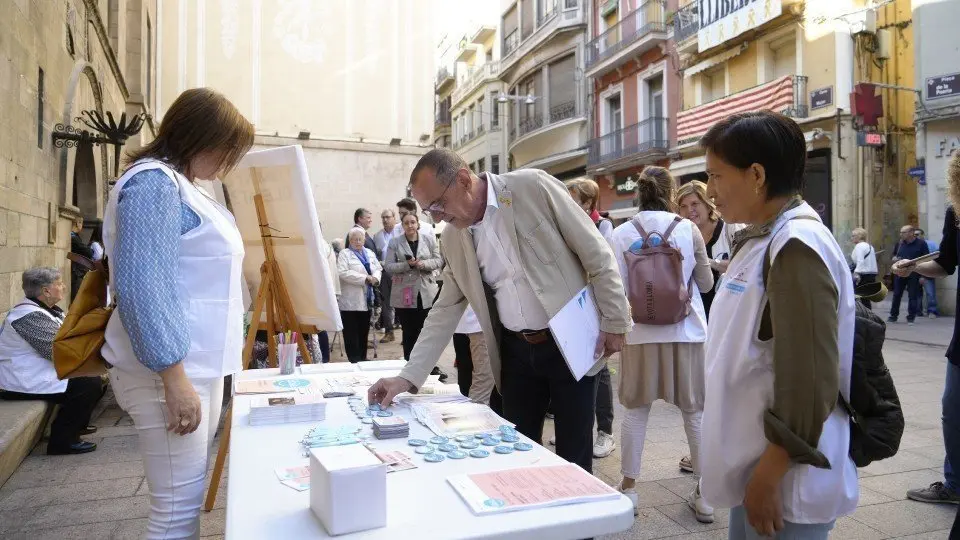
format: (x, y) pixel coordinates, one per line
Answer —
(821, 97)
(943, 86)
(947, 146)
(722, 20)
(869, 139)
(918, 172)
(626, 185)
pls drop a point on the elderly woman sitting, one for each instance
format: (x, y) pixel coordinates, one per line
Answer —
(26, 363)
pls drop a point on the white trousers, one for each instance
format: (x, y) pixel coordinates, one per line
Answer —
(175, 465)
(633, 431)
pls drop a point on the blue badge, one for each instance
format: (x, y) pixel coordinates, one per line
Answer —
(510, 438)
(479, 453)
(424, 450)
(490, 442)
(503, 449)
(446, 447)
(494, 503)
(463, 438)
(375, 407)
(417, 442)
(456, 454)
(384, 414)
(438, 440)
(469, 445)
(523, 447)
(433, 458)
(508, 430)
(367, 420)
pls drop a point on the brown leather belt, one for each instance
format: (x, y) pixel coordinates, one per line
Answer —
(533, 337)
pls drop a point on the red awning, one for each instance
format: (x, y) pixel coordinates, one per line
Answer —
(775, 95)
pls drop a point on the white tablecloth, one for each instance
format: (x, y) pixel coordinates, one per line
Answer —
(420, 502)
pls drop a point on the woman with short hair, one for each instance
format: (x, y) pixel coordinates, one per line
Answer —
(175, 258)
(26, 363)
(864, 260)
(360, 272)
(663, 361)
(780, 343)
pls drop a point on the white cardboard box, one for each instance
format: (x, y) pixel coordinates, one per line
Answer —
(348, 488)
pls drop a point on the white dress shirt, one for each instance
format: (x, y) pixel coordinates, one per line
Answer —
(517, 304)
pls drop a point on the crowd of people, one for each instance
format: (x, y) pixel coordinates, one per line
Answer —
(729, 300)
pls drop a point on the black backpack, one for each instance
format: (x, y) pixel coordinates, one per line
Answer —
(876, 418)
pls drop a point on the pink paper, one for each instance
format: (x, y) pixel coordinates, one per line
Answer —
(538, 485)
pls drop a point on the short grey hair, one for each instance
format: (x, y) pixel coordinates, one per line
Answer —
(35, 279)
(355, 231)
(859, 232)
(443, 162)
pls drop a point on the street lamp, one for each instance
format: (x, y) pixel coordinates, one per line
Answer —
(528, 99)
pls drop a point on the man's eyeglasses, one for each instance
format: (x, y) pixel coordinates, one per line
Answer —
(437, 206)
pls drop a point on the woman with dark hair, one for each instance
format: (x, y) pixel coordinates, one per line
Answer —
(175, 258)
(780, 345)
(663, 361)
(96, 242)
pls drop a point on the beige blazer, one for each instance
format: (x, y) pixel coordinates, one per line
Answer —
(407, 281)
(560, 251)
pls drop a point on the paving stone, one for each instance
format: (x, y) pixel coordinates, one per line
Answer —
(90, 512)
(848, 528)
(660, 469)
(90, 530)
(12, 520)
(652, 494)
(680, 486)
(716, 534)
(932, 535)
(869, 497)
(650, 523)
(899, 518)
(130, 529)
(683, 515)
(904, 461)
(896, 485)
(212, 523)
(67, 493)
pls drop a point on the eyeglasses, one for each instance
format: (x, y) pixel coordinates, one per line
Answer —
(437, 206)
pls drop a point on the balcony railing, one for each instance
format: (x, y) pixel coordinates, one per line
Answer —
(650, 134)
(686, 22)
(473, 78)
(442, 119)
(442, 75)
(511, 42)
(649, 17)
(531, 123)
(799, 109)
(563, 111)
(550, 11)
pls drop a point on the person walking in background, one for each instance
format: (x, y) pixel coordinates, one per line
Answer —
(175, 259)
(776, 445)
(587, 194)
(864, 261)
(382, 240)
(360, 272)
(909, 247)
(663, 361)
(26, 363)
(413, 260)
(929, 285)
(523, 238)
(78, 246)
(948, 490)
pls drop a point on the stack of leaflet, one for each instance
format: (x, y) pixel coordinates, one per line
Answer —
(391, 427)
(287, 409)
(452, 419)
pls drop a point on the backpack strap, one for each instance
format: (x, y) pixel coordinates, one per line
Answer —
(673, 225)
(663, 236)
(639, 227)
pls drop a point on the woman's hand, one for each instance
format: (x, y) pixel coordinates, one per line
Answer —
(762, 498)
(182, 401)
(371, 280)
(413, 263)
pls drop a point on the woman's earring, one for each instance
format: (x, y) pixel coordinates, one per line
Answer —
(756, 189)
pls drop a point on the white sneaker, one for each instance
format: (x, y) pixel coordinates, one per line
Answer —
(634, 498)
(553, 440)
(604, 445)
(702, 511)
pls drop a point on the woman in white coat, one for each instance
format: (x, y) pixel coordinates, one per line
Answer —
(780, 344)
(360, 273)
(663, 361)
(175, 258)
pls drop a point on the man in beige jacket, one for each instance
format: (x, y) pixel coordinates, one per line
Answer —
(518, 250)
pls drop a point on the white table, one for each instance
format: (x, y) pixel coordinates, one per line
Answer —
(420, 502)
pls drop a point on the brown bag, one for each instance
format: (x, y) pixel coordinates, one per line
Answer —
(655, 287)
(76, 348)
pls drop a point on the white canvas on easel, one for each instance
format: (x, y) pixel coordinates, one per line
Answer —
(284, 183)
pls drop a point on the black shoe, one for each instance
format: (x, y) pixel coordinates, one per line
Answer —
(89, 430)
(891, 319)
(436, 371)
(79, 447)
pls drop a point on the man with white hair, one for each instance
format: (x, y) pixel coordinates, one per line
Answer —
(26, 363)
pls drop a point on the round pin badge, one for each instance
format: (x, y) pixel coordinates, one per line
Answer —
(503, 449)
(438, 440)
(384, 414)
(367, 420)
(456, 454)
(481, 435)
(433, 458)
(375, 407)
(417, 442)
(508, 430)
(463, 438)
(490, 442)
(479, 453)
(424, 450)
(469, 445)
(523, 447)
(510, 439)
(447, 447)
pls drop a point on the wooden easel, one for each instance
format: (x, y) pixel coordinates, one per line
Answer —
(273, 297)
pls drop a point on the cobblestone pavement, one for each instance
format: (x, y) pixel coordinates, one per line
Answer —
(103, 494)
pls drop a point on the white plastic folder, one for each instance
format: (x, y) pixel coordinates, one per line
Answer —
(576, 328)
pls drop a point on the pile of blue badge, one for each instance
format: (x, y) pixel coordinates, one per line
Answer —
(366, 413)
(439, 448)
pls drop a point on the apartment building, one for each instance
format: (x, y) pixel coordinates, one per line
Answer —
(635, 89)
(478, 114)
(541, 66)
(813, 61)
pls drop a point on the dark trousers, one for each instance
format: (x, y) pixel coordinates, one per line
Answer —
(386, 313)
(864, 279)
(324, 340)
(461, 348)
(76, 406)
(604, 402)
(356, 330)
(530, 375)
(912, 285)
(411, 319)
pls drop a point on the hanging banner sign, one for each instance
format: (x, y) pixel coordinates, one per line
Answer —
(721, 20)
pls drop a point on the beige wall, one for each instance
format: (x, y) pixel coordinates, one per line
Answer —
(337, 68)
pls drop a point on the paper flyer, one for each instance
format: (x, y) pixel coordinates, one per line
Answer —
(297, 478)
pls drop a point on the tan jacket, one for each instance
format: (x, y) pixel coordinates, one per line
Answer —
(560, 250)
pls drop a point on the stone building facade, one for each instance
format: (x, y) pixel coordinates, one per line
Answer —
(58, 58)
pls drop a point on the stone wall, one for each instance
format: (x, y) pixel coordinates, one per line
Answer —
(69, 41)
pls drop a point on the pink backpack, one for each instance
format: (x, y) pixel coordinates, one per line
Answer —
(655, 287)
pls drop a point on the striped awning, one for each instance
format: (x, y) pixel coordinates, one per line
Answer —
(775, 95)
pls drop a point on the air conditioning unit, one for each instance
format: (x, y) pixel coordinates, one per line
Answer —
(863, 22)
